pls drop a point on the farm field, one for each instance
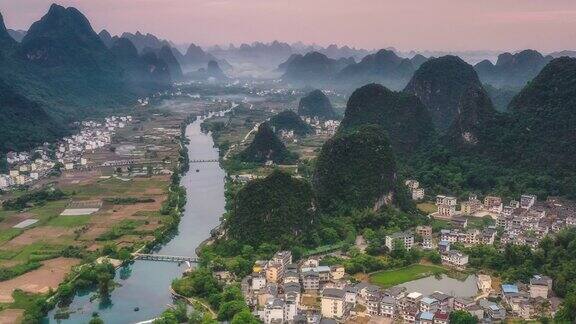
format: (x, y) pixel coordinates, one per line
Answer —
(124, 204)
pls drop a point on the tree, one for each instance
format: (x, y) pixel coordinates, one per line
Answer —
(231, 308)
(244, 317)
(567, 313)
(96, 320)
(462, 317)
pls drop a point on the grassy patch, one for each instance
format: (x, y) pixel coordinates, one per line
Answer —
(23, 300)
(125, 227)
(69, 221)
(37, 251)
(427, 207)
(391, 278)
(48, 210)
(7, 235)
(325, 249)
(17, 270)
(480, 222)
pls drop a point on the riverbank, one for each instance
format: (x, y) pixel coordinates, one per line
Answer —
(143, 284)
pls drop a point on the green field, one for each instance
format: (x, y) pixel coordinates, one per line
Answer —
(391, 278)
(69, 221)
(427, 207)
(8, 234)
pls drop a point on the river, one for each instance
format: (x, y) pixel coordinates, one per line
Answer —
(145, 284)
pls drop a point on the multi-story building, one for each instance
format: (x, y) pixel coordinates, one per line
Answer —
(455, 259)
(273, 272)
(493, 204)
(274, 311)
(540, 286)
(407, 240)
(446, 206)
(333, 304)
(310, 281)
(424, 230)
(387, 306)
(472, 206)
(527, 201)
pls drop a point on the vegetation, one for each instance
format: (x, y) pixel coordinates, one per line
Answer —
(15, 271)
(316, 104)
(391, 278)
(276, 210)
(447, 78)
(228, 300)
(462, 317)
(35, 197)
(266, 146)
(403, 117)
(128, 200)
(75, 76)
(288, 120)
(356, 170)
(554, 257)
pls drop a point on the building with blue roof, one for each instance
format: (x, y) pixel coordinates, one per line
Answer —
(426, 317)
(509, 289)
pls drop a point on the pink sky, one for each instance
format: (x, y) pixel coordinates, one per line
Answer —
(544, 25)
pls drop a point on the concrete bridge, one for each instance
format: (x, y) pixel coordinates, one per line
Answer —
(164, 258)
(205, 161)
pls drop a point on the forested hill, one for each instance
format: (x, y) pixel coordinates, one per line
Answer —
(356, 170)
(316, 104)
(276, 210)
(440, 84)
(62, 71)
(266, 146)
(529, 149)
(402, 116)
(288, 120)
(545, 117)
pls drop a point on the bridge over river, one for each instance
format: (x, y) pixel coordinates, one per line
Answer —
(164, 258)
(204, 161)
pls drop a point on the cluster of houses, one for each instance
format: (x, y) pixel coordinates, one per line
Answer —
(525, 221)
(532, 300)
(25, 167)
(323, 127)
(280, 291)
(415, 189)
(450, 257)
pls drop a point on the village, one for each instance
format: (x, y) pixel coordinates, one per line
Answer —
(524, 222)
(281, 291)
(68, 154)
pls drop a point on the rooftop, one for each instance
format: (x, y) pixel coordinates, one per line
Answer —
(509, 289)
(426, 316)
(333, 293)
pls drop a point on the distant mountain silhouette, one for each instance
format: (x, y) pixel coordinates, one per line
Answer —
(17, 35)
(142, 41)
(512, 70)
(383, 67)
(62, 71)
(313, 69)
(106, 38)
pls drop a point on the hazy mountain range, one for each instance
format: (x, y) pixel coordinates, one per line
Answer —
(61, 71)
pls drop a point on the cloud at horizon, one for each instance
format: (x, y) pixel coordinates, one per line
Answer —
(545, 25)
